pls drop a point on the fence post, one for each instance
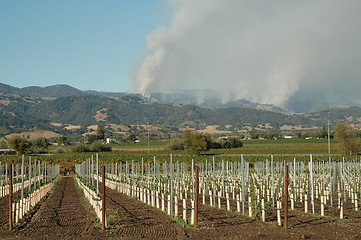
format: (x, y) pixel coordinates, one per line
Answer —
(10, 197)
(103, 198)
(196, 197)
(286, 195)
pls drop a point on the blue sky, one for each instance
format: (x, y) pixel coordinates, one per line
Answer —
(84, 43)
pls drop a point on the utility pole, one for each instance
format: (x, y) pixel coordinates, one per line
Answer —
(328, 137)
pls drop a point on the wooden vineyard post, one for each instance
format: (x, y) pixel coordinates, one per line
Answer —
(103, 198)
(10, 197)
(196, 197)
(286, 195)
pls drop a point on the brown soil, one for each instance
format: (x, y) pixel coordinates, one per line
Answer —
(133, 219)
(65, 215)
(313, 226)
(101, 115)
(4, 209)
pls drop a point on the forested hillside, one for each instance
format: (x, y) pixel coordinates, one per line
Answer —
(21, 113)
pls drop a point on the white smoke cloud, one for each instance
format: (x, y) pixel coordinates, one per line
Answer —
(263, 51)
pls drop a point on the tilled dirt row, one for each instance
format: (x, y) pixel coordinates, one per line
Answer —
(300, 225)
(133, 219)
(4, 208)
(65, 215)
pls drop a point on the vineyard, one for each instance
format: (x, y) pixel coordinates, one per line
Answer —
(177, 199)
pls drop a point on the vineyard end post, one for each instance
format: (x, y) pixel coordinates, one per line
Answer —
(10, 197)
(196, 197)
(286, 195)
(103, 198)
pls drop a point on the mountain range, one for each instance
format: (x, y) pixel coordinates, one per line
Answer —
(25, 108)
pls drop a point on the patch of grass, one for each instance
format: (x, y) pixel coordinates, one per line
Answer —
(96, 220)
(4, 130)
(17, 227)
(276, 224)
(314, 214)
(111, 215)
(181, 221)
(336, 219)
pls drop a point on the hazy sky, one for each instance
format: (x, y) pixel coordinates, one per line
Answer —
(264, 51)
(261, 50)
(88, 44)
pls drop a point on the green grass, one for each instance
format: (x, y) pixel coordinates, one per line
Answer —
(144, 145)
(288, 146)
(181, 221)
(254, 150)
(4, 130)
(153, 145)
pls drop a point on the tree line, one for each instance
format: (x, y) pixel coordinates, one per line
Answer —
(195, 142)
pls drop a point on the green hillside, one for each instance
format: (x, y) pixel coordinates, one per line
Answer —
(21, 113)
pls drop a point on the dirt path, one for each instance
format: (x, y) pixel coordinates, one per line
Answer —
(4, 208)
(64, 215)
(133, 219)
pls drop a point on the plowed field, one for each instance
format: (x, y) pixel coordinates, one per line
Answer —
(65, 215)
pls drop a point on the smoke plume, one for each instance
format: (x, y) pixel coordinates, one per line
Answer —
(264, 51)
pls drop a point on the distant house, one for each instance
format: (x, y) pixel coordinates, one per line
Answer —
(110, 140)
(247, 136)
(288, 137)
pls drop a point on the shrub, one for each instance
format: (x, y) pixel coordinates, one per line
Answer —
(60, 150)
(99, 146)
(4, 143)
(80, 147)
(176, 144)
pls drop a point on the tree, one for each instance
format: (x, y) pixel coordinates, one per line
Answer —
(197, 142)
(19, 144)
(4, 143)
(100, 132)
(324, 131)
(132, 138)
(228, 143)
(92, 138)
(80, 147)
(99, 146)
(39, 145)
(234, 142)
(346, 135)
(62, 140)
(176, 144)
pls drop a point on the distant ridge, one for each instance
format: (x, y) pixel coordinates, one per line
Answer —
(208, 99)
(19, 112)
(189, 97)
(55, 91)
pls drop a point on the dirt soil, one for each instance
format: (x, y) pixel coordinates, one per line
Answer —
(63, 215)
(66, 215)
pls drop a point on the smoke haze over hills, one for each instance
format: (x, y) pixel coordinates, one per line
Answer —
(274, 52)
